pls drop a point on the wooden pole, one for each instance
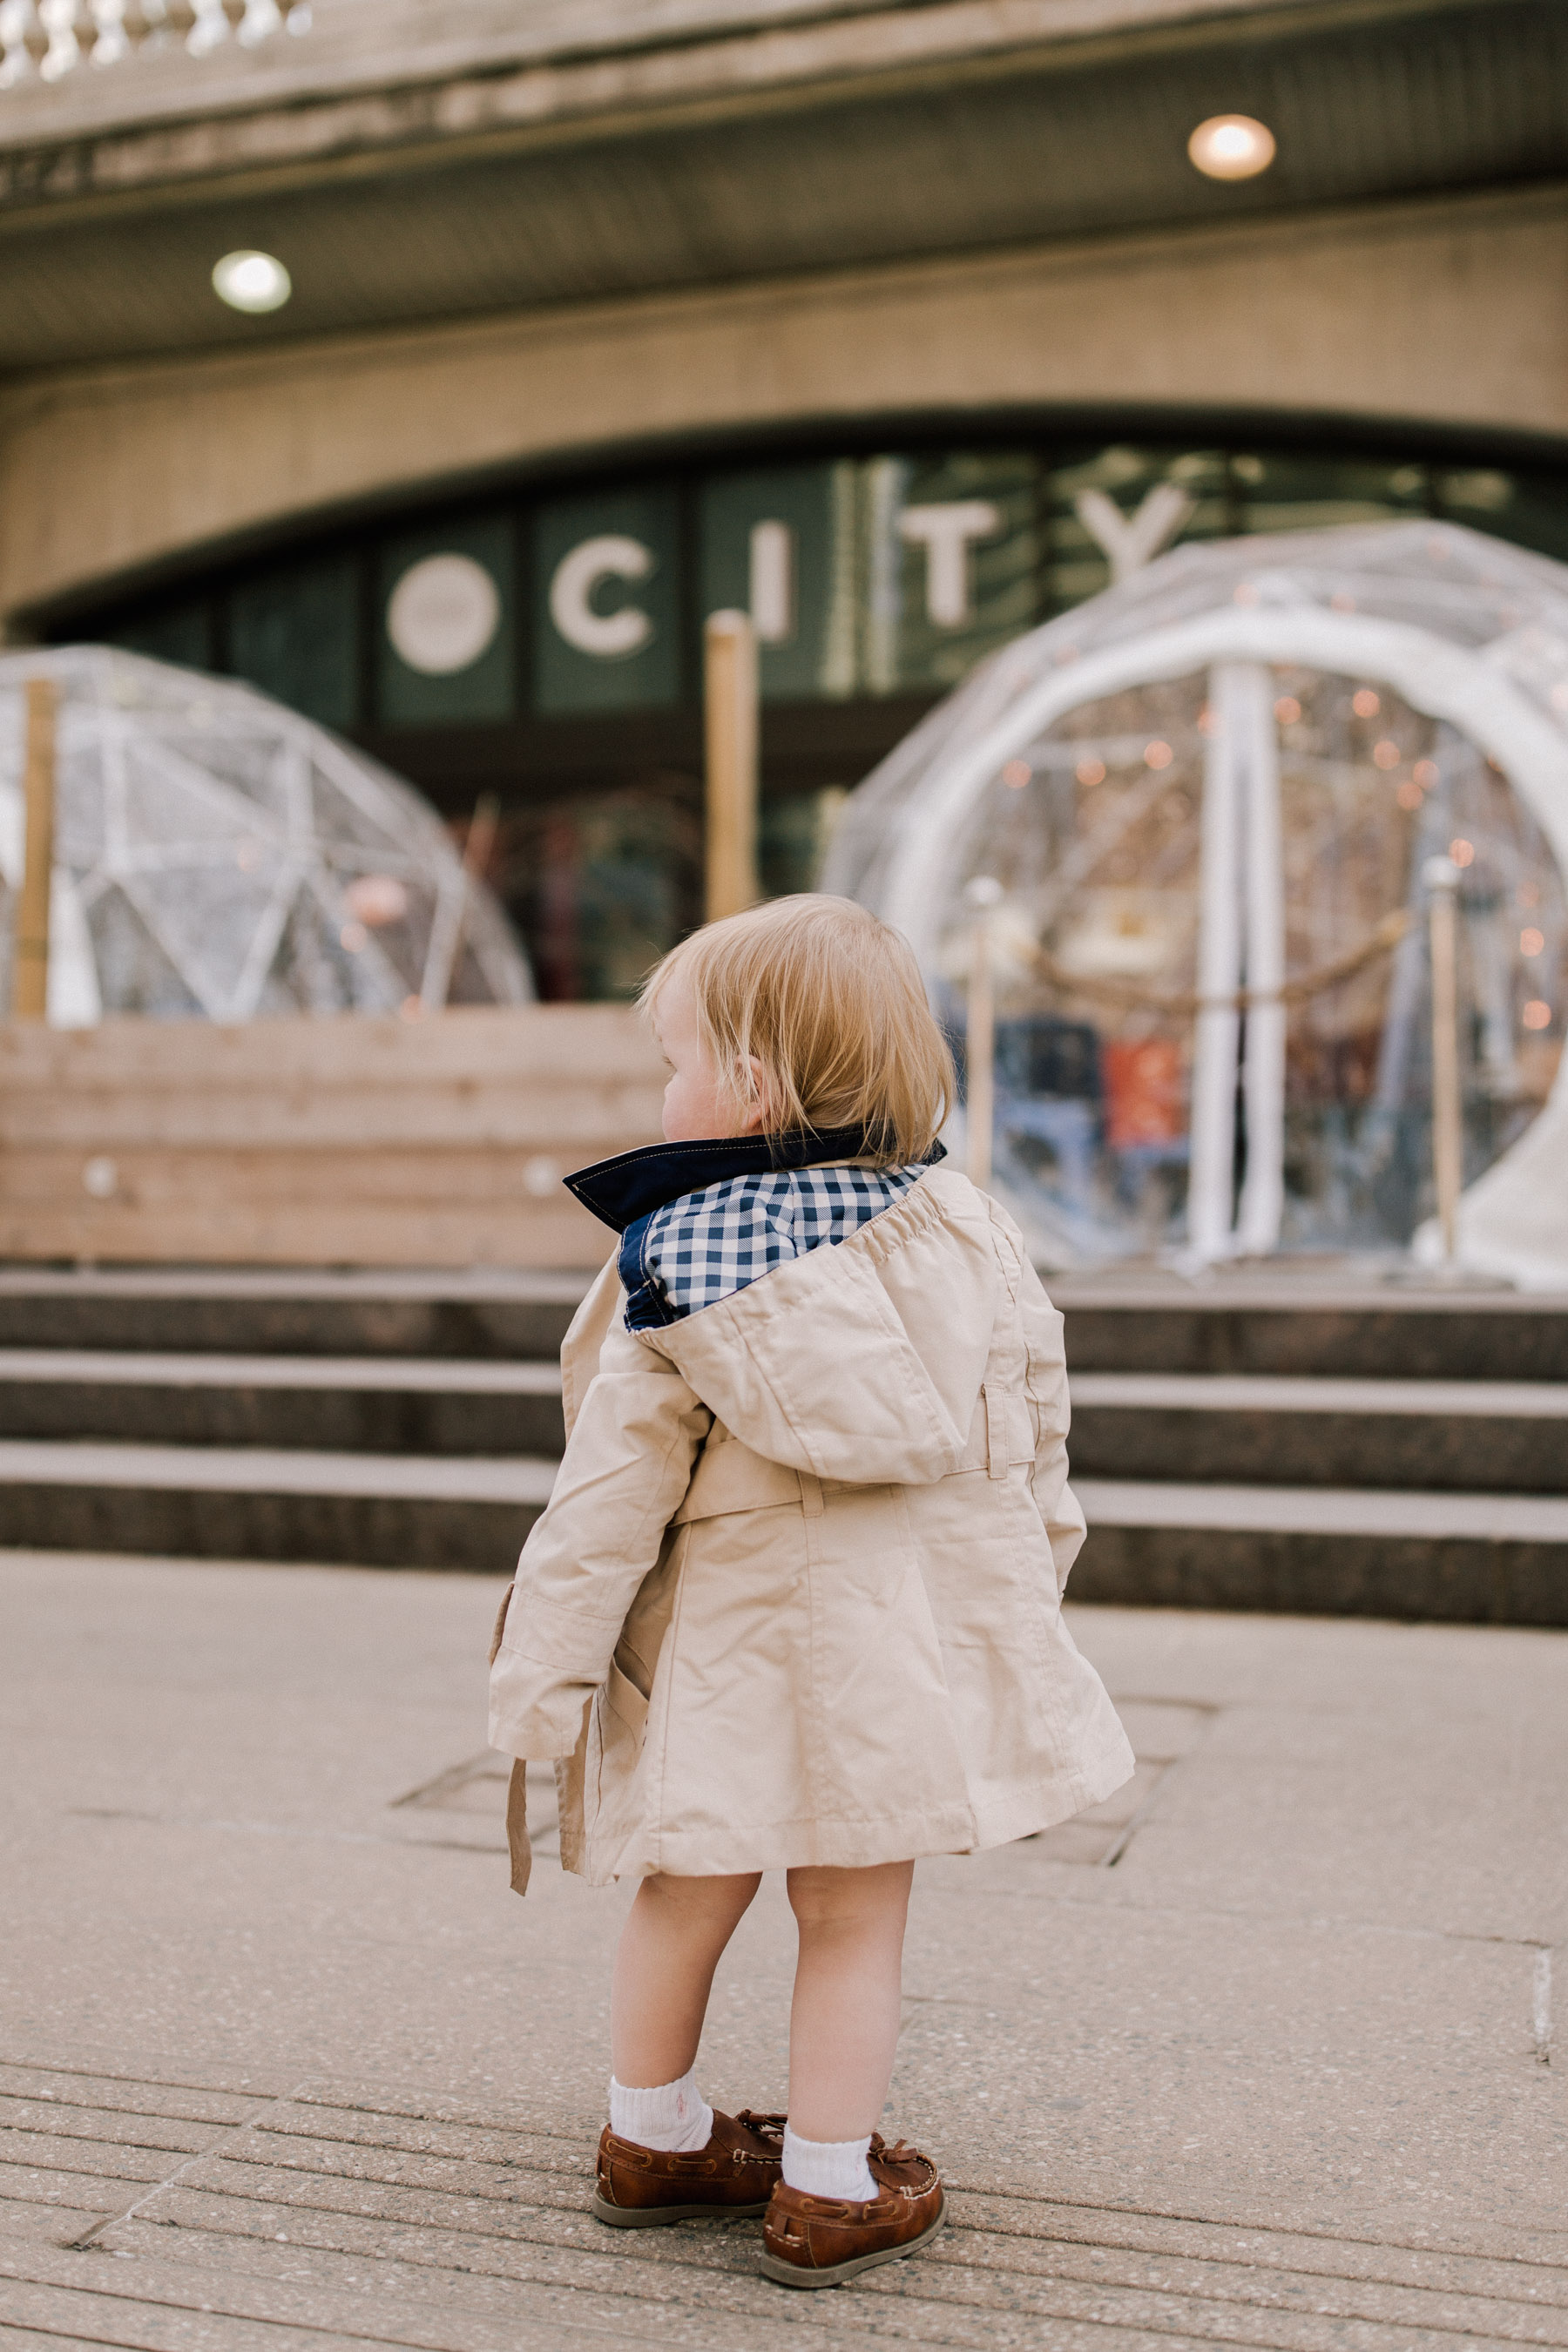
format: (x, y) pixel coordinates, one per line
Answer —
(30, 986)
(980, 1037)
(730, 694)
(1442, 877)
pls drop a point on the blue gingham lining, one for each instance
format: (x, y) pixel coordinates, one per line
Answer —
(701, 1247)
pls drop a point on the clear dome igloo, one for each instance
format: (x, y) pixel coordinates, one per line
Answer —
(1232, 773)
(218, 857)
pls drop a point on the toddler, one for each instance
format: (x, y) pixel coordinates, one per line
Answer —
(795, 1603)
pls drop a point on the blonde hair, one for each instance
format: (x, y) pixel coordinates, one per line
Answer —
(830, 1002)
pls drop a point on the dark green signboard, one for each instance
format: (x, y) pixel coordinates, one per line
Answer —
(606, 602)
(866, 576)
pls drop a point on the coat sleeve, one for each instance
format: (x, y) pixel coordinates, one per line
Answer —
(627, 1464)
(1058, 1506)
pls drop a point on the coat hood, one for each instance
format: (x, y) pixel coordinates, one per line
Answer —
(622, 1191)
(818, 1366)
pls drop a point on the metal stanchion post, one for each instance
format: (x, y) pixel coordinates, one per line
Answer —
(980, 1037)
(30, 987)
(1441, 876)
(730, 695)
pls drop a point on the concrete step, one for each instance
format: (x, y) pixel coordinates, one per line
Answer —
(1325, 1551)
(1509, 1436)
(1317, 1550)
(349, 1404)
(485, 1315)
(211, 1501)
(1259, 1444)
(1363, 1331)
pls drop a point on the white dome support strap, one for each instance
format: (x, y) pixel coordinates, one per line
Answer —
(1241, 927)
(1262, 1211)
(1218, 1032)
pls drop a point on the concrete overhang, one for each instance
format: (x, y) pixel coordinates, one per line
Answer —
(411, 165)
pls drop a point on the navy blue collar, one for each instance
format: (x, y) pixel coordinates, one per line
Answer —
(633, 1183)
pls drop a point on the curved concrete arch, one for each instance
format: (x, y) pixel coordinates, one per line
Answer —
(108, 471)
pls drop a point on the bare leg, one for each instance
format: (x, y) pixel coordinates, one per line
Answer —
(843, 2022)
(670, 1947)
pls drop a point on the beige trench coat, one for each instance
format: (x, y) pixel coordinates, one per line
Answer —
(796, 1596)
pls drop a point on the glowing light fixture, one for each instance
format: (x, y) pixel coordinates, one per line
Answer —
(252, 281)
(1231, 147)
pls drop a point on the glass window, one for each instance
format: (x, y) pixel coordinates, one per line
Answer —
(294, 633)
(445, 645)
(1106, 507)
(1529, 508)
(603, 884)
(179, 632)
(1293, 491)
(792, 832)
(771, 546)
(606, 602)
(953, 564)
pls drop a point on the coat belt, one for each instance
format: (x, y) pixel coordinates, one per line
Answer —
(729, 1477)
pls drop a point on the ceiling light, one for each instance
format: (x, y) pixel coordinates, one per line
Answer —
(1231, 147)
(252, 281)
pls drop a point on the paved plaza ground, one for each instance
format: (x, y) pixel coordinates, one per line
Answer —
(1263, 2056)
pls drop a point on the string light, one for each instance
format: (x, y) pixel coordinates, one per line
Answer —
(1286, 710)
(1090, 772)
(1157, 754)
(1016, 774)
(1463, 853)
(1537, 1015)
(1532, 941)
(1365, 703)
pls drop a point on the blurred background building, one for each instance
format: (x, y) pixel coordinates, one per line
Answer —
(912, 326)
(435, 371)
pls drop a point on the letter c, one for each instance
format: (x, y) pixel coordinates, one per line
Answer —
(608, 636)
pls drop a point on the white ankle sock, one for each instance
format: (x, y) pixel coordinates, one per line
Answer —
(673, 2117)
(828, 2168)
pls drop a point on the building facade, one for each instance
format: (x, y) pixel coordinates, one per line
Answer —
(906, 327)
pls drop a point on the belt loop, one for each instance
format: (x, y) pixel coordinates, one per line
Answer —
(810, 1494)
(995, 1431)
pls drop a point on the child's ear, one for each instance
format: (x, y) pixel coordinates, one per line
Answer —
(754, 1093)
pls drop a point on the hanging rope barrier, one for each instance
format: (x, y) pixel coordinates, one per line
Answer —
(1175, 1002)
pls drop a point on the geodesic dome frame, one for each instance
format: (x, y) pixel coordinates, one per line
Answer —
(1468, 630)
(217, 855)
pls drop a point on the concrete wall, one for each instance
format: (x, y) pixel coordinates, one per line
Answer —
(1443, 312)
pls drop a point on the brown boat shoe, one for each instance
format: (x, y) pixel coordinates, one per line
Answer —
(824, 2241)
(731, 2179)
